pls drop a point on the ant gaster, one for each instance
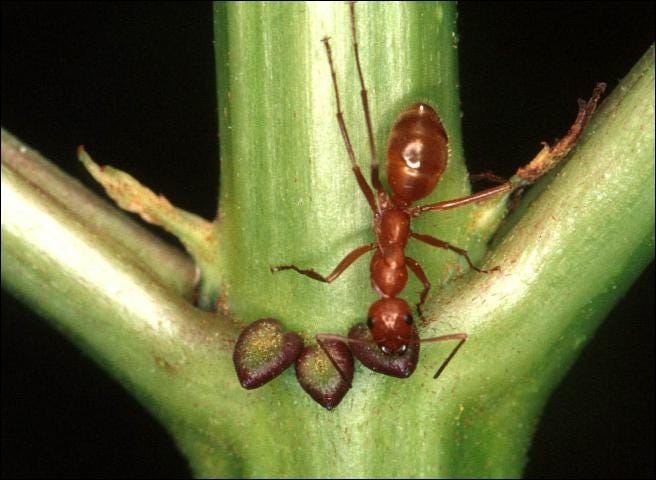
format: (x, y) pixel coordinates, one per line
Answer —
(416, 159)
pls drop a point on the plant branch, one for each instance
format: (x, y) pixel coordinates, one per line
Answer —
(287, 196)
(59, 194)
(199, 236)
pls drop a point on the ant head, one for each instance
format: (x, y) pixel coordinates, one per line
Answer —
(390, 321)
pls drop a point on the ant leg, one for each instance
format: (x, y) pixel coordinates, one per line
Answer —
(419, 272)
(459, 202)
(493, 178)
(375, 179)
(343, 265)
(454, 336)
(436, 242)
(489, 176)
(364, 186)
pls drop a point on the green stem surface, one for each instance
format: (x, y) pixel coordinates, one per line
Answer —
(288, 196)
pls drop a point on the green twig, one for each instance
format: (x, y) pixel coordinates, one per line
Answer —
(287, 196)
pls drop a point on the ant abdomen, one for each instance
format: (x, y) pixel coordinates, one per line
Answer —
(416, 153)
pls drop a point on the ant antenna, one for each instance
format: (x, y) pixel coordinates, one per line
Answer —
(454, 336)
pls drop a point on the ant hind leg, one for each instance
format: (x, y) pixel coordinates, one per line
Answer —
(489, 176)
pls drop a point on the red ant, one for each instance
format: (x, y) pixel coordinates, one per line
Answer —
(416, 159)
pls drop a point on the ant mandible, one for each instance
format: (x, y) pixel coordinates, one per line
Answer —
(416, 159)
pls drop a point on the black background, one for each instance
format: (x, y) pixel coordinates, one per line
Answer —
(134, 82)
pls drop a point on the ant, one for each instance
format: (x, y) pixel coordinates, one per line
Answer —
(416, 159)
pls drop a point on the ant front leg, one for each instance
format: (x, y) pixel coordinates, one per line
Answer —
(343, 265)
(419, 272)
(436, 242)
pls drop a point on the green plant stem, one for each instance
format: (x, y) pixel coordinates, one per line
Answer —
(287, 196)
(29, 171)
(302, 204)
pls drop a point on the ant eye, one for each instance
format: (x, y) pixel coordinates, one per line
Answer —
(408, 319)
(370, 322)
